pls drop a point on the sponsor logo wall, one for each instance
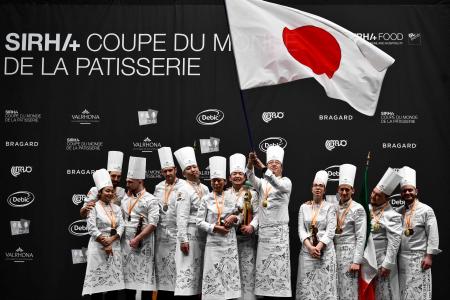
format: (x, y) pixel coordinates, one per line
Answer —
(59, 128)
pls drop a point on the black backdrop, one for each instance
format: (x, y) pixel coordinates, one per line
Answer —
(46, 148)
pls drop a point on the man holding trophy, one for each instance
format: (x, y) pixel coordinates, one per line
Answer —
(247, 200)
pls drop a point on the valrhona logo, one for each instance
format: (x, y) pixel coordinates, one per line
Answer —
(333, 173)
(78, 228)
(272, 141)
(20, 199)
(210, 117)
(17, 170)
(85, 118)
(19, 255)
(147, 145)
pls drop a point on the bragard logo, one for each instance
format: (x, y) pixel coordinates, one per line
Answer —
(17, 170)
(85, 118)
(269, 116)
(333, 173)
(79, 172)
(210, 117)
(21, 144)
(19, 255)
(78, 228)
(335, 117)
(272, 141)
(78, 198)
(399, 145)
(20, 199)
(330, 145)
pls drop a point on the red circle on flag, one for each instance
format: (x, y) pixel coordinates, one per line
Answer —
(313, 47)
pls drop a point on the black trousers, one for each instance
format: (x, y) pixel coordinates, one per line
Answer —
(112, 295)
(131, 295)
(166, 295)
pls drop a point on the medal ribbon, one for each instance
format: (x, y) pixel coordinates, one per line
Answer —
(377, 217)
(238, 194)
(167, 195)
(198, 189)
(130, 208)
(219, 208)
(341, 219)
(266, 193)
(315, 213)
(111, 215)
(409, 216)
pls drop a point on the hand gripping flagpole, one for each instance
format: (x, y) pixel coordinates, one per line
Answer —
(244, 107)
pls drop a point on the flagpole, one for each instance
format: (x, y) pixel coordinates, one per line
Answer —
(244, 107)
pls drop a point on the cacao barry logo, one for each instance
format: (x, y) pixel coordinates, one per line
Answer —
(320, 52)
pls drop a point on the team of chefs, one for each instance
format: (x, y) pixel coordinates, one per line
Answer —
(187, 242)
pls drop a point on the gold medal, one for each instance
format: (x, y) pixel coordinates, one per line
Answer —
(338, 230)
(376, 227)
(408, 232)
(265, 203)
(165, 207)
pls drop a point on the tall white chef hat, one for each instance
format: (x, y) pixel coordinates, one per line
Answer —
(237, 163)
(217, 167)
(321, 178)
(185, 157)
(389, 181)
(136, 168)
(347, 174)
(409, 176)
(274, 153)
(102, 179)
(115, 160)
(165, 157)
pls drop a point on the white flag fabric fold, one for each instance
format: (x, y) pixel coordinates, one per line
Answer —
(275, 44)
(369, 269)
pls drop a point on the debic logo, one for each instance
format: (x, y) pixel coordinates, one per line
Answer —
(210, 117)
(20, 199)
(333, 173)
(78, 228)
(272, 141)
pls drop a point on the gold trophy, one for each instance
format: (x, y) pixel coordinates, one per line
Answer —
(139, 229)
(247, 208)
